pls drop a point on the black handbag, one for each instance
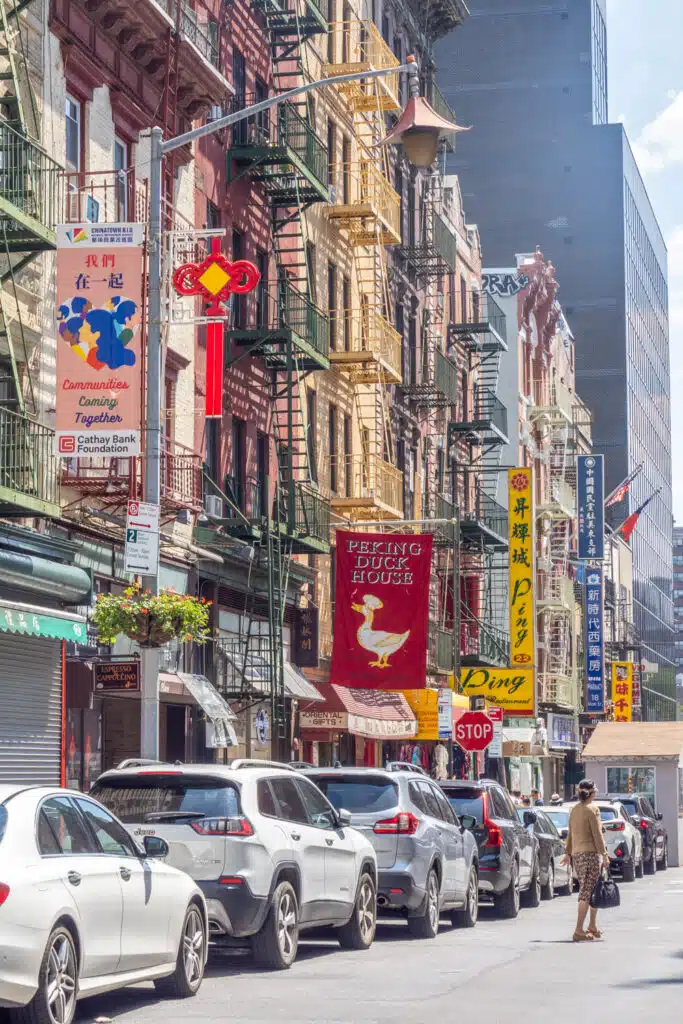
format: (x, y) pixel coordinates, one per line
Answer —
(606, 894)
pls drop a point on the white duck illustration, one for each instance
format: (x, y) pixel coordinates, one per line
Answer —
(376, 640)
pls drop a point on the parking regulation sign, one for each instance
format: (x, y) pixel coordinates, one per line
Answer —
(142, 538)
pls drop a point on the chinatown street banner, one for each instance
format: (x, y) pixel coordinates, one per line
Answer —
(622, 690)
(99, 303)
(590, 475)
(381, 610)
(595, 643)
(522, 614)
(511, 689)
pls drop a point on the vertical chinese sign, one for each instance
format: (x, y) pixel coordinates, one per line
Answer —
(591, 501)
(595, 655)
(306, 638)
(522, 608)
(99, 377)
(622, 690)
(381, 610)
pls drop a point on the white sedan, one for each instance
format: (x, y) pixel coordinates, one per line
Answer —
(84, 910)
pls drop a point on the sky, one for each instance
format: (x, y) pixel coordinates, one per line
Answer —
(645, 39)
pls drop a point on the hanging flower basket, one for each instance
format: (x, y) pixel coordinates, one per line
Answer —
(152, 620)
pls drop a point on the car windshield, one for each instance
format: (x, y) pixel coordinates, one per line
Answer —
(607, 813)
(630, 806)
(141, 798)
(466, 801)
(560, 818)
(358, 795)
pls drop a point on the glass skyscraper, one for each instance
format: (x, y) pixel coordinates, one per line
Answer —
(542, 166)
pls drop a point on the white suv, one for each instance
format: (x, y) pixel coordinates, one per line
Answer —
(270, 853)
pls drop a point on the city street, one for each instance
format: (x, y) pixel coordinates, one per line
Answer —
(502, 971)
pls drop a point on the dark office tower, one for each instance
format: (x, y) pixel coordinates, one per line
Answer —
(542, 167)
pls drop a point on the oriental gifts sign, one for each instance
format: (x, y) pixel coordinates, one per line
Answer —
(381, 611)
(521, 517)
(99, 303)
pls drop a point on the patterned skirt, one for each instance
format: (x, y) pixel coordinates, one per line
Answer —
(588, 867)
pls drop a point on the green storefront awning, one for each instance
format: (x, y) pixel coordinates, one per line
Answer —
(35, 621)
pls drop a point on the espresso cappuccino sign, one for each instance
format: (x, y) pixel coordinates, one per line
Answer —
(511, 689)
(381, 610)
(116, 677)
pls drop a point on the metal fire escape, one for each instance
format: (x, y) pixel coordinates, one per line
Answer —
(30, 191)
(281, 323)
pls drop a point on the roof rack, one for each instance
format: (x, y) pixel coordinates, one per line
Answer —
(405, 766)
(138, 762)
(246, 762)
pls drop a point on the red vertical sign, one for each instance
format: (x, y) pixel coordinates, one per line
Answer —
(381, 610)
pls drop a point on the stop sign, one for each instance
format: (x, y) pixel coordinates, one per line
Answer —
(474, 730)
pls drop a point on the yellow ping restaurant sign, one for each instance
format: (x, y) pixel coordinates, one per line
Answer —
(511, 689)
(522, 614)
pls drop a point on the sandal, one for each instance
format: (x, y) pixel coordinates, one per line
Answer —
(582, 937)
(595, 932)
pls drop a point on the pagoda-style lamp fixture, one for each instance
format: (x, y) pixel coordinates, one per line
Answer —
(419, 127)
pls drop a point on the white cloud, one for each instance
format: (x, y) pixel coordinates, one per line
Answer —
(660, 144)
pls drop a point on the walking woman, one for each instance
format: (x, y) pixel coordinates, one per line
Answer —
(585, 845)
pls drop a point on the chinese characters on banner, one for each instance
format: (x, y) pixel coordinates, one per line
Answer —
(306, 638)
(622, 690)
(522, 614)
(381, 610)
(99, 378)
(591, 500)
(595, 659)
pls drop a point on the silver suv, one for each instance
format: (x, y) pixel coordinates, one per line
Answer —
(269, 852)
(427, 860)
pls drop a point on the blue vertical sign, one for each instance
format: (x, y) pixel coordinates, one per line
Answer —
(595, 646)
(591, 512)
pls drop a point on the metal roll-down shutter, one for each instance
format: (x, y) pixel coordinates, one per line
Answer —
(30, 709)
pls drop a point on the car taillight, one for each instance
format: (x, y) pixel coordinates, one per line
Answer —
(403, 824)
(230, 880)
(223, 827)
(4, 892)
(643, 823)
(494, 835)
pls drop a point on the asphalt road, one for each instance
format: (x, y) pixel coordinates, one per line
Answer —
(523, 970)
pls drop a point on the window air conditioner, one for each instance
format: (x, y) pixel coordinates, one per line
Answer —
(213, 506)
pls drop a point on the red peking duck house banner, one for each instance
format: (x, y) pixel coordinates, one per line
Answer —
(381, 617)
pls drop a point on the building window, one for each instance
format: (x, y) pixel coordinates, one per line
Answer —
(239, 456)
(333, 448)
(239, 301)
(346, 171)
(74, 125)
(463, 301)
(310, 265)
(239, 81)
(261, 495)
(331, 153)
(348, 456)
(261, 294)
(311, 432)
(262, 120)
(346, 303)
(332, 303)
(213, 215)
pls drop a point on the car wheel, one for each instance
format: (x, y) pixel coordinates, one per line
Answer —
(359, 930)
(191, 959)
(276, 944)
(467, 917)
(55, 1000)
(426, 924)
(507, 904)
(651, 864)
(663, 864)
(548, 890)
(532, 896)
(639, 867)
(628, 870)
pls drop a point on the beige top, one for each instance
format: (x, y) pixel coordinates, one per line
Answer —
(585, 831)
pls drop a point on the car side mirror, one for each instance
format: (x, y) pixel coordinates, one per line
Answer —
(659, 815)
(468, 821)
(530, 817)
(155, 846)
(564, 832)
(343, 817)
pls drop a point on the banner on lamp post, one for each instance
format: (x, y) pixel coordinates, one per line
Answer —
(521, 527)
(98, 405)
(595, 643)
(590, 473)
(381, 610)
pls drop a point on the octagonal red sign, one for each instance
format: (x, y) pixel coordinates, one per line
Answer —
(474, 730)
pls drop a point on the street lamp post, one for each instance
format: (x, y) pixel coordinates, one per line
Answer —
(149, 724)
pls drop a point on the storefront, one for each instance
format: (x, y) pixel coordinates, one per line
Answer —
(422, 749)
(352, 726)
(562, 770)
(523, 765)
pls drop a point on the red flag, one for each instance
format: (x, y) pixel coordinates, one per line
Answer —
(381, 616)
(629, 525)
(620, 492)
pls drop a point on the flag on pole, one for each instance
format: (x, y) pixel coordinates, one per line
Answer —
(629, 525)
(620, 492)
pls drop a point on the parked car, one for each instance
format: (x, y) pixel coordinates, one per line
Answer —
(85, 909)
(427, 861)
(653, 832)
(555, 876)
(624, 844)
(269, 852)
(509, 869)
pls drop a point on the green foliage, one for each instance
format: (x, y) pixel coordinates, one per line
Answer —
(151, 619)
